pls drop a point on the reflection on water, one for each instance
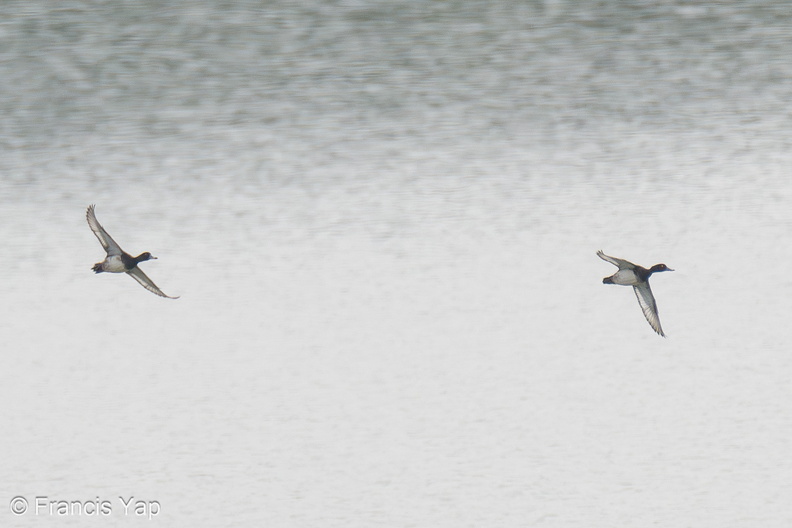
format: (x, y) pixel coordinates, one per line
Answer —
(382, 220)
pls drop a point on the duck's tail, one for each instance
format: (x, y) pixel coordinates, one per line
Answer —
(97, 268)
(606, 280)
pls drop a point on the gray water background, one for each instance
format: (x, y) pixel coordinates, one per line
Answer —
(382, 218)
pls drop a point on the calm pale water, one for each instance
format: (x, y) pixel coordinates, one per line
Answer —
(382, 219)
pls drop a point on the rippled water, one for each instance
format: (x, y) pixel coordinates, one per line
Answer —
(382, 220)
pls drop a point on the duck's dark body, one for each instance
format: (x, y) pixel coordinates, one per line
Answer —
(129, 262)
(641, 274)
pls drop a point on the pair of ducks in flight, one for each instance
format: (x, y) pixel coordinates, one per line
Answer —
(629, 274)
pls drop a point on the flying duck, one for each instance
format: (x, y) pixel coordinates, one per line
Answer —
(118, 260)
(630, 274)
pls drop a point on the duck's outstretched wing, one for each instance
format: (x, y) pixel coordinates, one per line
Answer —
(106, 240)
(137, 274)
(649, 306)
(619, 263)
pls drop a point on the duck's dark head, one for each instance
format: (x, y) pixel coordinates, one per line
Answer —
(144, 256)
(658, 268)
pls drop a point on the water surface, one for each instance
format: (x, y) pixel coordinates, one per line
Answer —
(382, 220)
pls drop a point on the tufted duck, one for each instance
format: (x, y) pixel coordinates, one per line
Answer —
(631, 275)
(118, 260)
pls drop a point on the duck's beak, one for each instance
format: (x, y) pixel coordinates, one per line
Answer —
(669, 269)
(153, 257)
